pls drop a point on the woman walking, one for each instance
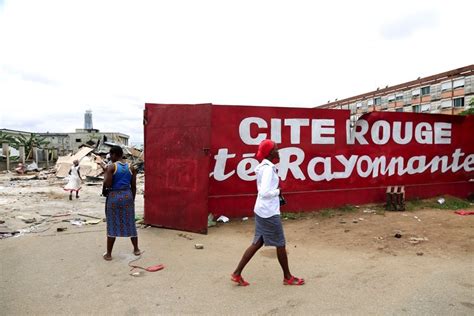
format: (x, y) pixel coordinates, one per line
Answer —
(75, 180)
(268, 226)
(120, 188)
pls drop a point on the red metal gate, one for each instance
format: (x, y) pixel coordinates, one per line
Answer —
(177, 139)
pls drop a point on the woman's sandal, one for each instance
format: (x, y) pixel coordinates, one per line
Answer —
(293, 281)
(239, 280)
(106, 258)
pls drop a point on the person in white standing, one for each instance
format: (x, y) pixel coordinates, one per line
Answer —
(75, 180)
(268, 226)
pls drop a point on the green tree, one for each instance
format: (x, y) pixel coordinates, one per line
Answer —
(32, 141)
(469, 111)
(6, 138)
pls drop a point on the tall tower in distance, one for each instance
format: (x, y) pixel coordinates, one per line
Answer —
(88, 120)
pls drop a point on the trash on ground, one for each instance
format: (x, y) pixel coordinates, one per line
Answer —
(185, 236)
(154, 268)
(416, 240)
(369, 211)
(245, 219)
(76, 222)
(464, 213)
(419, 254)
(136, 274)
(60, 214)
(61, 229)
(92, 221)
(90, 216)
(398, 235)
(223, 219)
(441, 201)
(210, 220)
(27, 220)
(21, 178)
(199, 246)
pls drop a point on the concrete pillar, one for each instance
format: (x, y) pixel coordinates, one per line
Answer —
(46, 153)
(54, 155)
(35, 154)
(6, 152)
(22, 154)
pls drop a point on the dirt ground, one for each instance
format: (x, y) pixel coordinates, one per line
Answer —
(351, 261)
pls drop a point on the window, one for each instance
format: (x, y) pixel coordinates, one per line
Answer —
(358, 104)
(458, 83)
(445, 104)
(425, 90)
(399, 110)
(391, 98)
(458, 102)
(445, 86)
(78, 140)
(399, 96)
(415, 93)
(425, 108)
(416, 108)
(370, 102)
(377, 101)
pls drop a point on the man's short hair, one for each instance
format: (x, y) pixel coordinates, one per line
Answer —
(116, 150)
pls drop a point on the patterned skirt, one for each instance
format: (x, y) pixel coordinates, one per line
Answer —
(120, 214)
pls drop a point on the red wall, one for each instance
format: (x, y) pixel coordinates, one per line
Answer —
(233, 193)
(320, 165)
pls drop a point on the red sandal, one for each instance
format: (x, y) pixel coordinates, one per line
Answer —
(239, 280)
(293, 281)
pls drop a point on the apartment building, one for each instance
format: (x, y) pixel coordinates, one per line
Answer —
(449, 92)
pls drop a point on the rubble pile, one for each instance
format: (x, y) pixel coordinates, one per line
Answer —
(93, 160)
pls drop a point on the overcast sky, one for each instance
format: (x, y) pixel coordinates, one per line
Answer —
(60, 58)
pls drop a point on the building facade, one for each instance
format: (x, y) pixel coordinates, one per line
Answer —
(449, 92)
(66, 143)
(70, 142)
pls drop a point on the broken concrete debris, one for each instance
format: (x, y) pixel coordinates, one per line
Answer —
(92, 164)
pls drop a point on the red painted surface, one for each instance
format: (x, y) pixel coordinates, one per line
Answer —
(176, 166)
(322, 176)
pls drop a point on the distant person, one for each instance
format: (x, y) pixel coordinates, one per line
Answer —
(105, 162)
(268, 226)
(21, 168)
(120, 187)
(75, 180)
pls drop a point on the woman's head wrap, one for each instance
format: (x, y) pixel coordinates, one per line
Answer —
(264, 149)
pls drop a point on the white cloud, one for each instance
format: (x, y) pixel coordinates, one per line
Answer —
(59, 58)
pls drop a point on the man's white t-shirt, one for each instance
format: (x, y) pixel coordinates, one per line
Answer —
(268, 202)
